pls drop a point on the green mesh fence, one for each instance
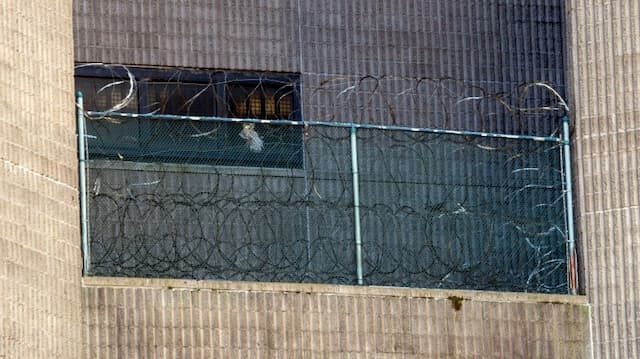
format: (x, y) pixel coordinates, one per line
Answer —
(217, 175)
(196, 199)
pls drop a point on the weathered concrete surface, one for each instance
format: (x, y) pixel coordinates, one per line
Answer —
(151, 318)
(496, 45)
(604, 60)
(40, 263)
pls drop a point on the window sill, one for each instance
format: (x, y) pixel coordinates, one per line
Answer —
(349, 290)
(191, 168)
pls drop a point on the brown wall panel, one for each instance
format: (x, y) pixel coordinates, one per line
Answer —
(333, 44)
(244, 34)
(498, 45)
(500, 41)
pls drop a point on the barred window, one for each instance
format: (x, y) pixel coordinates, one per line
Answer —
(260, 101)
(103, 94)
(193, 93)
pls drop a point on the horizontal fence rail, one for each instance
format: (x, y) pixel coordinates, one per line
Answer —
(324, 202)
(96, 114)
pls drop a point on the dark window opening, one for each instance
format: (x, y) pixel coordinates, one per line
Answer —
(194, 93)
(260, 101)
(102, 94)
(180, 99)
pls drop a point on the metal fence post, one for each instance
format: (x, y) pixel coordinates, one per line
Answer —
(356, 203)
(82, 176)
(572, 270)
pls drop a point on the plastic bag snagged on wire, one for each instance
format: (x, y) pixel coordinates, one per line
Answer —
(249, 134)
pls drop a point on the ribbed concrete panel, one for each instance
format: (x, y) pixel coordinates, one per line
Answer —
(403, 45)
(507, 41)
(137, 318)
(499, 44)
(40, 263)
(242, 34)
(432, 103)
(604, 49)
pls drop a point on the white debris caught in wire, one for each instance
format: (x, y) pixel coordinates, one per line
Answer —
(249, 134)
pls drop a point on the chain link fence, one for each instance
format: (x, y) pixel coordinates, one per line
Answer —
(188, 197)
(217, 175)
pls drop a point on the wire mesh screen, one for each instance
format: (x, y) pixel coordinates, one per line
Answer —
(450, 211)
(219, 175)
(232, 222)
(436, 210)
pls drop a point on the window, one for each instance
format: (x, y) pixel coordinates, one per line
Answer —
(195, 93)
(260, 101)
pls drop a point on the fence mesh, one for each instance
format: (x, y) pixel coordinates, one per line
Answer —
(271, 200)
(459, 212)
(437, 210)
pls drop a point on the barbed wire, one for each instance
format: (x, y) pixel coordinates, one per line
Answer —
(208, 199)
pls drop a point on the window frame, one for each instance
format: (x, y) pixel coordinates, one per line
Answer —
(221, 81)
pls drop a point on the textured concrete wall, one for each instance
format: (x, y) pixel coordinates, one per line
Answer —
(244, 34)
(136, 318)
(40, 263)
(502, 41)
(497, 45)
(604, 50)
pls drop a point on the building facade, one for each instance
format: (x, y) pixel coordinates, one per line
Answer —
(604, 64)
(40, 258)
(496, 47)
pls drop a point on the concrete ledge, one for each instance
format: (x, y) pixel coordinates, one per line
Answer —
(369, 291)
(194, 168)
(159, 318)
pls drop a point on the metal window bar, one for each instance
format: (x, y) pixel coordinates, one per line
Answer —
(541, 250)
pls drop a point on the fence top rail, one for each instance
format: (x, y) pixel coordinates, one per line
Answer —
(97, 114)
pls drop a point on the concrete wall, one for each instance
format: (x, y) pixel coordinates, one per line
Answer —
(604, 51)
(498, 45)
(137, 318)
(503, 41)
(40, 263)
